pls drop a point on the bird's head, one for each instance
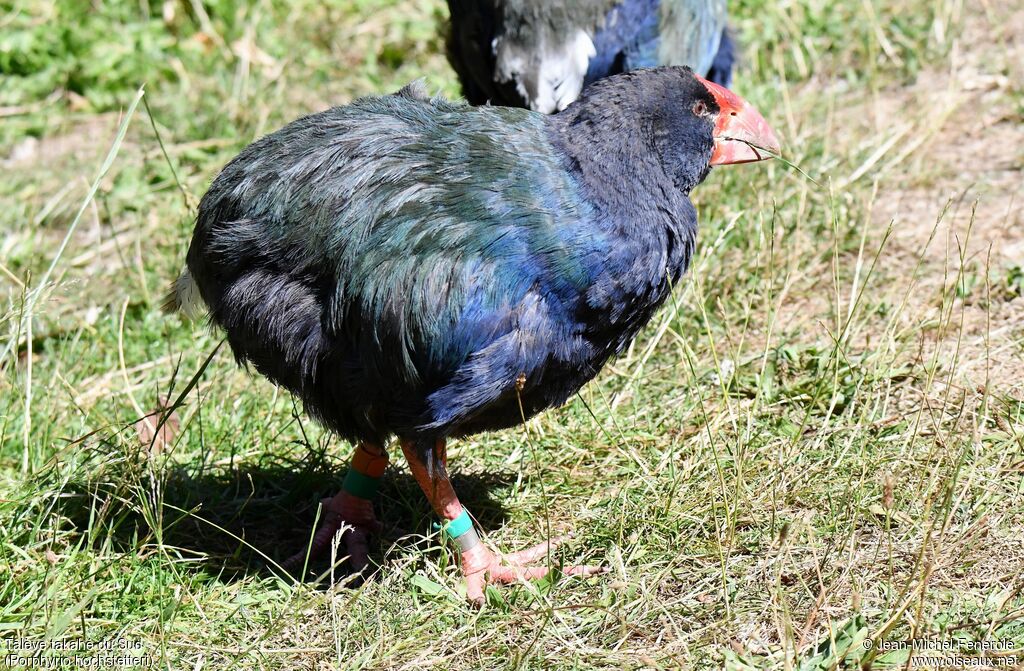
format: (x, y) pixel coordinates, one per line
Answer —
(666, 121)
(698, 124)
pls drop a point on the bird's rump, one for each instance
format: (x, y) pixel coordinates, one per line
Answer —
(524, 52)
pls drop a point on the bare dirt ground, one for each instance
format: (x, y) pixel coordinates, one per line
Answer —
(946, 157)
(957, 201)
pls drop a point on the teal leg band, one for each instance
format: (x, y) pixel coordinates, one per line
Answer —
(459, 526)
(361, 485)
(461, 531)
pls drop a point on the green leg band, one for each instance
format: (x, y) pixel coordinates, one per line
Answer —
(459, 525)
(461, 531)
(360, 485)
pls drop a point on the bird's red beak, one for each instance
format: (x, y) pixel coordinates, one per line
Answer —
(741, 134)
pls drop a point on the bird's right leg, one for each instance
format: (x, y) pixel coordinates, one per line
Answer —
(351, 508)
(480, 565)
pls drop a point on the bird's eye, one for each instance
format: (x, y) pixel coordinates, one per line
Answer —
(700, 109)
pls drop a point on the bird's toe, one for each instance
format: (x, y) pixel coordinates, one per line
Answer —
(481, 567)
(536, 552)
(350, 518)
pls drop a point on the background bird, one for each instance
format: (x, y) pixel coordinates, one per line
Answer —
(540, 54)
(416, 268)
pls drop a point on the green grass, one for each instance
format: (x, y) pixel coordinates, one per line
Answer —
(820, 439)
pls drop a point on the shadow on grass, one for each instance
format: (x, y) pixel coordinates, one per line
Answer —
(237, 514)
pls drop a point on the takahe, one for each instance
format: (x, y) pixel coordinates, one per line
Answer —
(423, 269)
(541, 53)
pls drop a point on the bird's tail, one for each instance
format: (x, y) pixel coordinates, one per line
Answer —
(184, 297)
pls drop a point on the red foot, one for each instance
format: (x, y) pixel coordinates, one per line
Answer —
(357, 516)
(481, 567)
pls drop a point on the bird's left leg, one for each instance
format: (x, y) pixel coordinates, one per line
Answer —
(480, 565)
(351, 508)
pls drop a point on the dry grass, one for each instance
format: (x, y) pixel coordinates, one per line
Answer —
(820, 440)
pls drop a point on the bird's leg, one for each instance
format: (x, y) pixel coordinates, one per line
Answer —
(480, 565)
(351, 507)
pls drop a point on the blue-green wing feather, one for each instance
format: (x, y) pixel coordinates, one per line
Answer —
(440, 264)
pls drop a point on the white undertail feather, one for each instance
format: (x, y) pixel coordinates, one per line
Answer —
(184, 297)
(550, 77)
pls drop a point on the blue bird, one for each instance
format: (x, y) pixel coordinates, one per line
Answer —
(540, 54)
(418, 268)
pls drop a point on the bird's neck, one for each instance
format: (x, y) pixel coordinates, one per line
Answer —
(617, 165)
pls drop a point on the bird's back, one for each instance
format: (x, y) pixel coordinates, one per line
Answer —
(648, 33)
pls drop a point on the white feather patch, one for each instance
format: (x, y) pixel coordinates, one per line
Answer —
(551, 78)
(187, 294)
